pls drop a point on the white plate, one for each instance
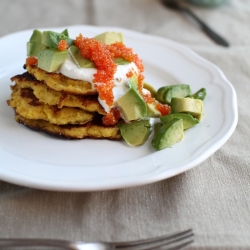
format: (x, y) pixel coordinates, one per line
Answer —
(33, 159)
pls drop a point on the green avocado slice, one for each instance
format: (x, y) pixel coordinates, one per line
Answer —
(78, 59)
(136, 133)
(187, 105)
(51, 59)
(165, 94)
(188, 120)
(168, 134)
(153, 111)
(110, 37)
(36, 36)
(34, 47)
(132, 105)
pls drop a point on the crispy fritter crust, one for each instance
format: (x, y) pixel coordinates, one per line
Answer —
(51, 97)
(89, 130)
(59, 82)
(24, 102)
(59, 106)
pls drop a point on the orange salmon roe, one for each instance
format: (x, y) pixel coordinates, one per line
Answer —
(112, 117)
(31, 60)
(147, 97)
(140, 83)
(62, 45)
(120, 50)
(163, 108)
(129, 74)
(98, 52)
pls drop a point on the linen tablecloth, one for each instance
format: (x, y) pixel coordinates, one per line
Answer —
(213, 198)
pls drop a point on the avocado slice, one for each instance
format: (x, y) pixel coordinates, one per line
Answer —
(110, 37)
(51, 59)
(168, 134)
(152, 111)
(34, 47)
(136, 133)
(150, 88)
(165, 94)
(51, 39)
(187, 105)
(35, 43)
(188, 120)
(78, 59)
(133, 82)
(36, 36)
(132, 105)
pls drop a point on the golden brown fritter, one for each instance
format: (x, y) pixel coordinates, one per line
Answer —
(24, 102)
(58, 105)
(92, 129)
(51, 97)
(59, 82)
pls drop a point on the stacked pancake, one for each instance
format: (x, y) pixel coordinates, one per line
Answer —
(58, 105)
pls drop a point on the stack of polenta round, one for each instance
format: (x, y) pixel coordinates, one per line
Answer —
(58, 105)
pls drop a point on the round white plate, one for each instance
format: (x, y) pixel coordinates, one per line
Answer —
(34, 159)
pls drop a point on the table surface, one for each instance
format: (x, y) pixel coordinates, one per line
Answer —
(213, 198)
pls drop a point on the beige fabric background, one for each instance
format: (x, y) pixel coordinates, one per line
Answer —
(212, 198)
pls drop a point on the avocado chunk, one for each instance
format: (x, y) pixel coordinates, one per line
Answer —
(133, 82)
(169, 134)
(165, 94)
(132, 105)
(36, 36)
(187, 105)
(34, 47)
(150, 88)
(110, 37)
(35, 43)
(51, 39)
(152, 111)
(51, 59)
(78, 59)
(188, 120)
(136, 133)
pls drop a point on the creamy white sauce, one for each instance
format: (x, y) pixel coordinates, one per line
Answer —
(70, 69)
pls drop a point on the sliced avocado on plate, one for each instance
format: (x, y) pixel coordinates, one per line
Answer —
(165, 94)
(188, 120)
(51, 59)
(110, 37)
(132, 105)
(168, 134)
(187, 105)
(136, 133)
(150, 88)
